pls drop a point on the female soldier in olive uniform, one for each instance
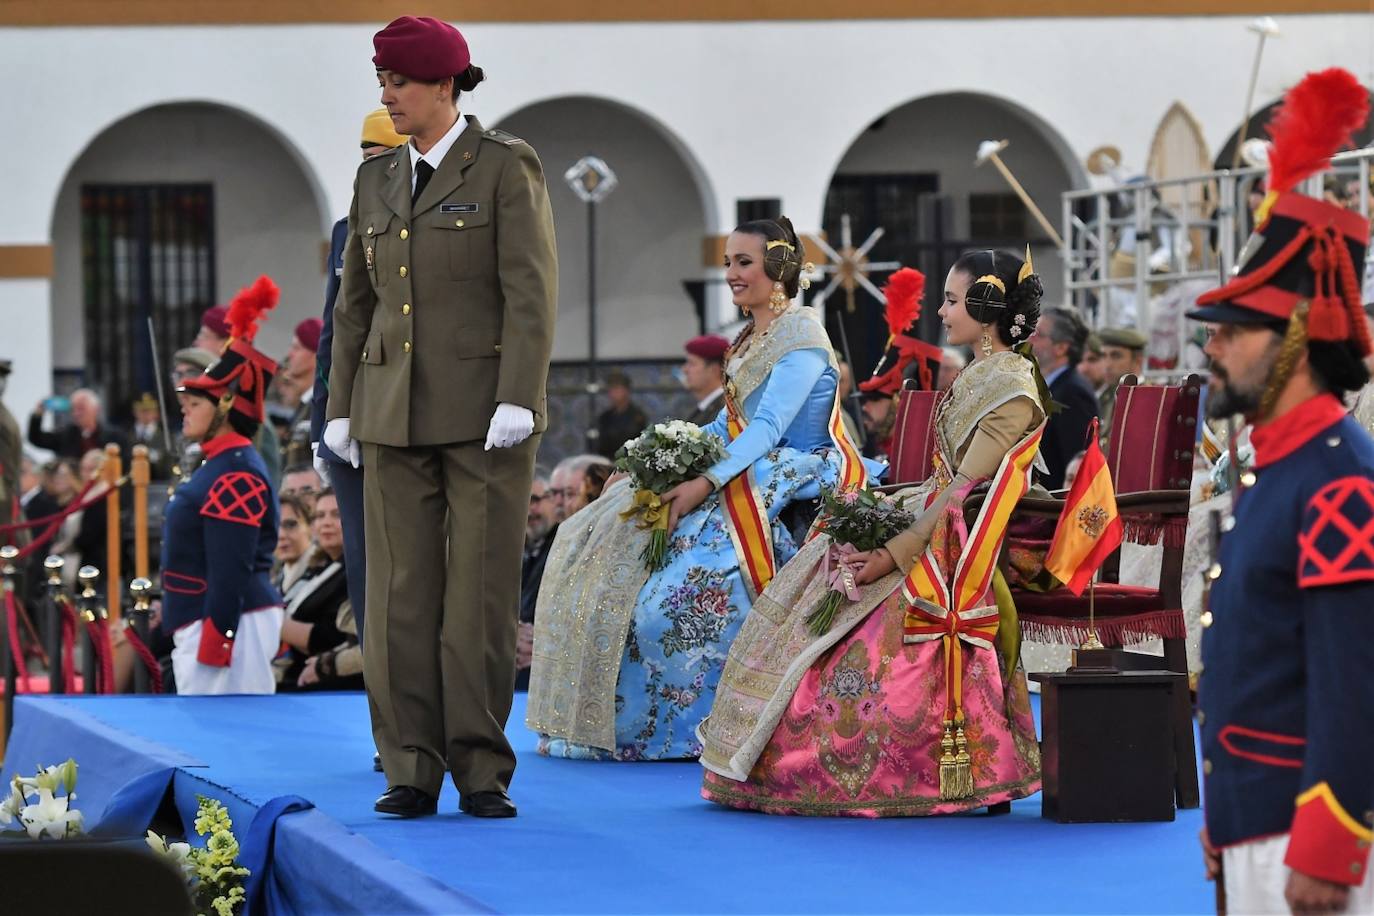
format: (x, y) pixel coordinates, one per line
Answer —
(442, 335)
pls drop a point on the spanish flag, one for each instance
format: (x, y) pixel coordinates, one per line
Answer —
(1089, 528)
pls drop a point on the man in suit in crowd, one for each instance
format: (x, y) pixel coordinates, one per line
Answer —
(1060, 336)
(541, 527)
(443, 329)
(87, 430)
(703, 375)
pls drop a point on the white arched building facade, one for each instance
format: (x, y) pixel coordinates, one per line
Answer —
(694, 116)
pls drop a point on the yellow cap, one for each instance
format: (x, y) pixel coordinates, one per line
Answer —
(378, 131)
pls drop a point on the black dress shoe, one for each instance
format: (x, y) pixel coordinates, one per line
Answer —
(487, 804)
(406, 801)
(377, 763)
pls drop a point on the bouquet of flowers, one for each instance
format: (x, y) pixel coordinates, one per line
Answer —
(40, 811)
(216, 883)
(857, 520)
(658, 459)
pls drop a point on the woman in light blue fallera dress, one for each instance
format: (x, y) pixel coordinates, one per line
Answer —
(626, 662)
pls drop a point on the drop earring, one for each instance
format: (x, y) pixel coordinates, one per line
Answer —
(777, 300)
(985, 344)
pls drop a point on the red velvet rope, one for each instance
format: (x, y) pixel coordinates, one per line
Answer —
(146, 655)
(54, 522)
(98, 632)
(16, 643)
(69, 625)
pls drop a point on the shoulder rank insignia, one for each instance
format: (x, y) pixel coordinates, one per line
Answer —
(500, 136)
(1336, 543)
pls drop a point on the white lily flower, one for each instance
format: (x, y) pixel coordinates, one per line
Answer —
(68, 772)
(50, 816)
(48, 778)
(12, 805)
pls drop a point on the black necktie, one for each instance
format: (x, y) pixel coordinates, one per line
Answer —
(423, 171)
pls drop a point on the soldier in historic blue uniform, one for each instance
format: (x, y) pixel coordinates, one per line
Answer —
(220, 528)
(1286, 699)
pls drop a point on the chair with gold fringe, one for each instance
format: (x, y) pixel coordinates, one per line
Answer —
(913, 437)
(1150, 456)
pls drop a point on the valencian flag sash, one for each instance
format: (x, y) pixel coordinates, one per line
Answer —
(963, 609)
(746, 516)
(1089, 528)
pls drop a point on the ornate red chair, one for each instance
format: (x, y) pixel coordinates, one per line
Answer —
(1150, 456)
(913, 436)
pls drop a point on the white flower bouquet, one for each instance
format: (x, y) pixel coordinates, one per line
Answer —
(34, 803)
(658, 459)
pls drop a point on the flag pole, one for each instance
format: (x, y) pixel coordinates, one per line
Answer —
(1092, 642)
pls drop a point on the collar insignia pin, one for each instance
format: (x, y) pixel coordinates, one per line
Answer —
(467, 156)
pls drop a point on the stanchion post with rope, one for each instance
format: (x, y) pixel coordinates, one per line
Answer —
(140, 473)
(113, 471)
(88, 607)
(52, 635)
(8, 554)
(138, 625)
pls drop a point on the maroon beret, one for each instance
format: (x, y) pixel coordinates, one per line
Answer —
(421, 48)
(216, 320)
(308, 333)
(710, 347)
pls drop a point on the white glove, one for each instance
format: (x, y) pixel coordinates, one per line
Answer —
(510, 425)
(341, 443)
(321, 465)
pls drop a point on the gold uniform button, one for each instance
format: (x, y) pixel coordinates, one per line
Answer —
(459, 223)
(405, 234)
(405, 309)
(228, 634)
(1248, 479)
(1206, 619)
(406, 346)
(403, 270)
(498, 348)
(1207, 767)
(369, 230)
(364, 354)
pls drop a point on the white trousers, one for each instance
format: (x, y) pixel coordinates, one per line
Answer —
(250, 667)
(1256, 879)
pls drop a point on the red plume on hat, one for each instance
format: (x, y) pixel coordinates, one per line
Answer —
(250, 305)
(1303, 249)
(242, 374)
(902, 293)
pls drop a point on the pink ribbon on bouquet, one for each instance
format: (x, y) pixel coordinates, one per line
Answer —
(838, 571)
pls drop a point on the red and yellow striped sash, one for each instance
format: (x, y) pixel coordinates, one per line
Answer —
(746, 517)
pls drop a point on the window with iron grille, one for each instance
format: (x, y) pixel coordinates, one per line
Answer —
(148, 251)
(996, 216)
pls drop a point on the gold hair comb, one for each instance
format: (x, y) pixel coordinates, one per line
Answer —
(1027, 268)
(992, 280)
(776, 242)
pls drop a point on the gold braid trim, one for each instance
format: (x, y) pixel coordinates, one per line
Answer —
(1294, 345)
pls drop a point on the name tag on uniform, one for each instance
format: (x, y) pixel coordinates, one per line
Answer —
(458, 208)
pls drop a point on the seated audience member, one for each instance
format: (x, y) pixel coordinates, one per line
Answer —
(541, 526)
(313, 603)
(593, 482)
(293, 542)
(567, 484)
(86, 431)
(301, 480)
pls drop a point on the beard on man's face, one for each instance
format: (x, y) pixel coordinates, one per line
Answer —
(1228, 395)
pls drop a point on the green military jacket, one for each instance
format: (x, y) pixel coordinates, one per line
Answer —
(11, 460)
(447, 308)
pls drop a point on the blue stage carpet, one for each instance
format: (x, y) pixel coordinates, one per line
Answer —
(591, 837)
